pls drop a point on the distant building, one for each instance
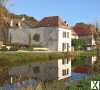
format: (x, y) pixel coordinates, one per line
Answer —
(50, 70)
(87, 36)
(74, 35)
(51, 32)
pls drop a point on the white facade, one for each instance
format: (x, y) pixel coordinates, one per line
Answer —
(49, 37)
(64, 42)
(50, 70)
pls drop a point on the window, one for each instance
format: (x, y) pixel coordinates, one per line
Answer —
(67, 34)
(64, 72)
(63, 61)
(64, 34)
(36, 37)
(67, 71)
(36, 69)
(67, 60)
(67, 46)
(63, 46)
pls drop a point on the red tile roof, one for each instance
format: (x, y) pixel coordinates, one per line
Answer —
(52, 21)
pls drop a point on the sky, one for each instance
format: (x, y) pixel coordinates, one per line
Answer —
(73, 11)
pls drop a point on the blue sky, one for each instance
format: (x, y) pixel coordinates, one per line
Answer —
(72, 11)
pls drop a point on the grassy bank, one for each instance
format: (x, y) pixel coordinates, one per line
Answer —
(11, 59)
(86, 53)
(15, 59)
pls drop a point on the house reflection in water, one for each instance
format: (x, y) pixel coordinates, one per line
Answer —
(48, 70)
(93, 59)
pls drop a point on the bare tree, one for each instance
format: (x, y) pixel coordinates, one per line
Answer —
(3, 21)
(3, 3)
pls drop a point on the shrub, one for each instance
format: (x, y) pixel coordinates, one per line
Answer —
(13, 49)
(3, 48)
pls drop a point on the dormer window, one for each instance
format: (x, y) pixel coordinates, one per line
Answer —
(17, 24)
(67, 24)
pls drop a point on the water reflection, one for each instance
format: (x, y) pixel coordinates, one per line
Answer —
(83, 69)
(93, 60)
(50, 73)
(77, 76)
(49, 70)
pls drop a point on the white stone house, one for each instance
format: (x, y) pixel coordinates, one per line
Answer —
(49, 70)
(51, 32)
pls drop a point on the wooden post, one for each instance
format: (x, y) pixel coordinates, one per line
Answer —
(11, 80)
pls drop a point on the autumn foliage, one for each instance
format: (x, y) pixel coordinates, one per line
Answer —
(83, 29)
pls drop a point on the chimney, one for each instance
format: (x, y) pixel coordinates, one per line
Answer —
(19, 24)
(66, 23)
(11, 23)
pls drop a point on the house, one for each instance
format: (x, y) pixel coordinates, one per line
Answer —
(49, 70)
(20, 30)
(51, 32)
(86, 32)
(89, 40)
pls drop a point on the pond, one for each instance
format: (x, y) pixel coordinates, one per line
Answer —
(49, 74)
